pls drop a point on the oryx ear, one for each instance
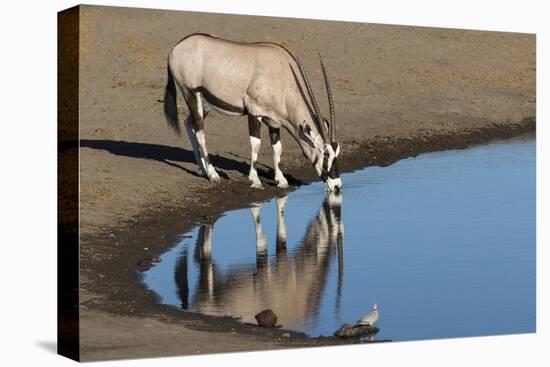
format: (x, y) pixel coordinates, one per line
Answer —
(305, 131)
(326, 124)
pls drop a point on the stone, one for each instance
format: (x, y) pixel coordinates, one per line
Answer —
(266, 318)
(355, 331)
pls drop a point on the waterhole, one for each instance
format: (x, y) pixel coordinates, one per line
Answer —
(443, 243)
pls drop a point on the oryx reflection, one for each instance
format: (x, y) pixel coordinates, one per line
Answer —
(291, 283)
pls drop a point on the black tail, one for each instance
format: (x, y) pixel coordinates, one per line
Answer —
(170, 103)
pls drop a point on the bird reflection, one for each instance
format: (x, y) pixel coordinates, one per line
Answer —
(291, 283)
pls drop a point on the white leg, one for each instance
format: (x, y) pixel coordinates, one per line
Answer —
(207, 246)
(261, 241)
(211, 172)
(281, 225)
(255, 144)
(208, 253)
(204, 243)
(279, 177)
(189, 126)
(335, 203)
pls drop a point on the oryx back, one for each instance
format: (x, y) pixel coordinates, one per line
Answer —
(228, 75)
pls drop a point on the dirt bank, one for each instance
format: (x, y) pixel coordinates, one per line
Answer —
(399, 91)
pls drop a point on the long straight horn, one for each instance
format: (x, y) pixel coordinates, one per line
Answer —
(320, 123)
(330, 103)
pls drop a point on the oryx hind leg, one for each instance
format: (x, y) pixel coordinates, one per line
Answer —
(195, 129)
(275, 137)
(190, 128)
(254, 129)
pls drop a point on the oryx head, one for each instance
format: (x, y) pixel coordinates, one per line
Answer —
(317, 135)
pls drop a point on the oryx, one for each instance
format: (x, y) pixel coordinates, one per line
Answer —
(261, 80)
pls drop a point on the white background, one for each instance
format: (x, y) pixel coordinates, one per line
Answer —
(28, 181)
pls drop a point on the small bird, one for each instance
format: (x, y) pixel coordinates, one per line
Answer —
(370, 318)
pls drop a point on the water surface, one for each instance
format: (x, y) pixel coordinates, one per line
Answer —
(444, 243)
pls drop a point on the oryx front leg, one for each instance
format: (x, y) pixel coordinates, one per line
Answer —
(254, 127)
(275, 137)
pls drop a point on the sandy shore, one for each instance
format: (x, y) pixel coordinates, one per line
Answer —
(399, 91)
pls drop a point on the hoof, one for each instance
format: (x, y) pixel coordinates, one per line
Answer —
(282, 185)
(214, 177)
(257, 185)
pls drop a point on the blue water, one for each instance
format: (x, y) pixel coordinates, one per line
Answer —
(443, 243)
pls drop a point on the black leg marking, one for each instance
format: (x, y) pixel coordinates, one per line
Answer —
(254, 127)
(274, 135)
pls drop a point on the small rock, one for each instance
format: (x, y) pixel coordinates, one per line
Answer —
(353, 331)
(266, 318)
(344, 331)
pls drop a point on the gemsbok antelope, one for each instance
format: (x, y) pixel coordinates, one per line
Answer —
(261, 80)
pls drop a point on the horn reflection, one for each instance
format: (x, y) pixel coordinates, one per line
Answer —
(291, 283)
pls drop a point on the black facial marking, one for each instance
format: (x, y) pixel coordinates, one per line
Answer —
(324, 171)
(333, 172)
